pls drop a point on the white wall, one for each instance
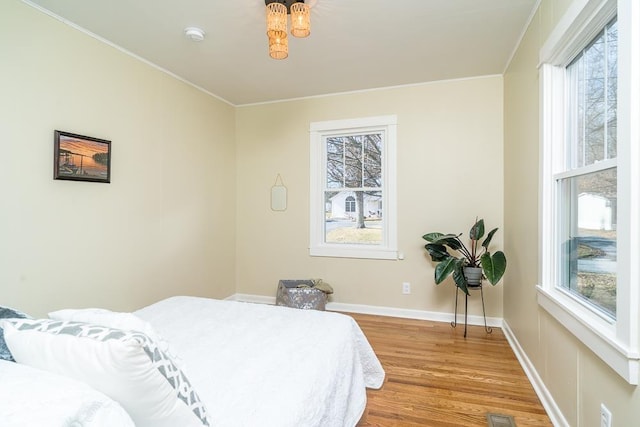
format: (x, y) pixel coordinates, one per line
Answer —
(450, 170)
(163, 226)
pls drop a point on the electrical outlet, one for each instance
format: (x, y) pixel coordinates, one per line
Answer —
(406, 288)
(605, 416)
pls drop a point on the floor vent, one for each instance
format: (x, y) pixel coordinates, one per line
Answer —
(500, 420)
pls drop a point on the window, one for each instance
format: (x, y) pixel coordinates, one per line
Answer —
(350, 204)
(352, 194)
(589, 180)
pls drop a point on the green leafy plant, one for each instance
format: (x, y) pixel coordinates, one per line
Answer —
(477, 255)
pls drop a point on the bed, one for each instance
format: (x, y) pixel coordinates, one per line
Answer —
(229, 363)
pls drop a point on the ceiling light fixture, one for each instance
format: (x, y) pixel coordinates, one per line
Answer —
(277, 11)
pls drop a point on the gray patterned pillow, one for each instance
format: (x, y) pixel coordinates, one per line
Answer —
(127, 366)
(8, 313)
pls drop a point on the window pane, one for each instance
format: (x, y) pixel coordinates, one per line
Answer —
(592, 101)
(588, 254)
(612, 90)
(335, 163)
(353, 161)
(372, 161)
(344, 222)
(594, 108)
(352, 197)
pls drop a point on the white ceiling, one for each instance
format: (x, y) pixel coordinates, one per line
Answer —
(354, 44)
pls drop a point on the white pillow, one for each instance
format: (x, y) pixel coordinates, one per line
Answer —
(100, 316)
(117, 320)
(32, 397)
(127, 366)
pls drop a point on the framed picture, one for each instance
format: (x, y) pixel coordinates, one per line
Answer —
(81, 158)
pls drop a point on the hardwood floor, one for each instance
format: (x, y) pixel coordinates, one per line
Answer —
(435, 377)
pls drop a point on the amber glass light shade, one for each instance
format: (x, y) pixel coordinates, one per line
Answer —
(300, 20)
(276, 18)
(278, 45)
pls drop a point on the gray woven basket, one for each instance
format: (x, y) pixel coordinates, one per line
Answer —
(306, 298)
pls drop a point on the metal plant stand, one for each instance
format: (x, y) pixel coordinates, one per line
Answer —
(466, 302)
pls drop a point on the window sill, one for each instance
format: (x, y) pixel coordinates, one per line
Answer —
(597, 335)
(354, 252)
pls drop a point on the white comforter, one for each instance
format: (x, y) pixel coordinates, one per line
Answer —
(261, 365)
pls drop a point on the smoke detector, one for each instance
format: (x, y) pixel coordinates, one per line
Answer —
(194, 34)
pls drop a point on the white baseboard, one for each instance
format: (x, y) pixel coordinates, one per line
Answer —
(381, 311)
(553, 411)
(258, 299)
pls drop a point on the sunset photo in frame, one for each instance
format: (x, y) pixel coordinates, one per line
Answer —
(81, 158)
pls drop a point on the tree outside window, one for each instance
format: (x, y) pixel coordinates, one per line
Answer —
(354, 180)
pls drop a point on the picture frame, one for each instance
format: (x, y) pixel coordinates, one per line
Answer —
(81, 158)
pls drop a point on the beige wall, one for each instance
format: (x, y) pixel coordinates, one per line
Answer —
(163, 226)
(167, 222)
(187, 211)
(577, 379)
(450, 169)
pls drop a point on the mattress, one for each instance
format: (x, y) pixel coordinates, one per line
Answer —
(255, 364)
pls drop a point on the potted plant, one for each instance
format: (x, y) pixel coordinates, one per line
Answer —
(467, 265)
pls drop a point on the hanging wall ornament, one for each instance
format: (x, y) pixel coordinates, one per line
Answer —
(279, 195)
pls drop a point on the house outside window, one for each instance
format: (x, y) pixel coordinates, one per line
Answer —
(590, 87)
(352, 197)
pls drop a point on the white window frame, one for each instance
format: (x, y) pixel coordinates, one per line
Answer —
(614, 341)
(388, 249)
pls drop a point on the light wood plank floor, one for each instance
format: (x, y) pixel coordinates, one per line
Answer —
(435, 377)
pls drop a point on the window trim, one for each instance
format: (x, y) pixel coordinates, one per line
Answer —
(317, 246)
(615, 342)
